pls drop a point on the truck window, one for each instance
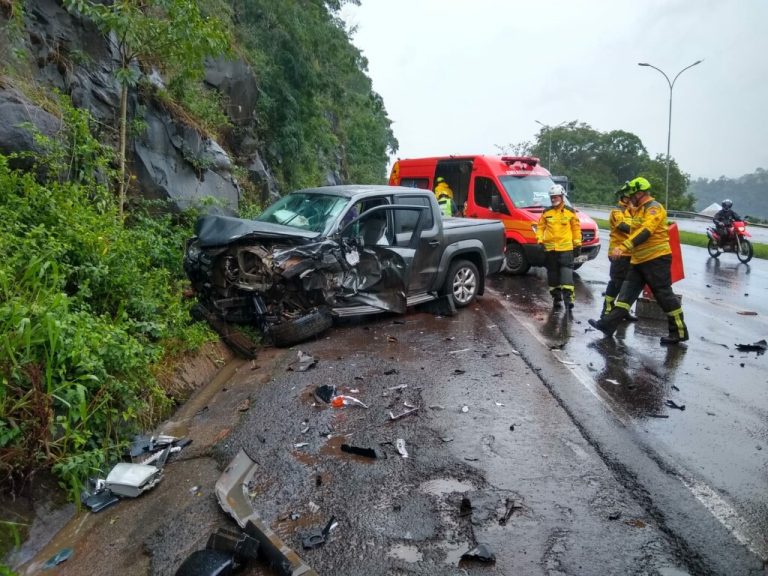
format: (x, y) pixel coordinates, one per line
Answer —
(405, 220)
(421, 183)
(487, 195)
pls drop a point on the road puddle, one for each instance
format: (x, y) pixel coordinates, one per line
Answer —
(406, 553)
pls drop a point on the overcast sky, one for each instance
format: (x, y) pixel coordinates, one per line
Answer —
(462, 76)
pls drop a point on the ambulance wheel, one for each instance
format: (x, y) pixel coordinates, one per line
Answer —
(515, 261)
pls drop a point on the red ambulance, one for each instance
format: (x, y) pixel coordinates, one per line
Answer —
(513, 189)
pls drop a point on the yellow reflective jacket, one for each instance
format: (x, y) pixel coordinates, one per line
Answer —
(558, 229)
(648, 237)
(620, 220)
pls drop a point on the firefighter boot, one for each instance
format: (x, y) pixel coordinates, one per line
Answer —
(557, 298)
(569, 297)
(678, 331)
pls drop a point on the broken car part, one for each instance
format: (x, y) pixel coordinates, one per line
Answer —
(760, 347)
(232, 489)
(325, 392)
(400, 446)
(398, 416)
(319, 538)
(131, 480)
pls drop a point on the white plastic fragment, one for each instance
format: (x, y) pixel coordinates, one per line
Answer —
(400, 445)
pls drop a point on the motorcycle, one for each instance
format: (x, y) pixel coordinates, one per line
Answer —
(735, 241)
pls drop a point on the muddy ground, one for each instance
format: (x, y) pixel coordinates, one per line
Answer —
(492, 458)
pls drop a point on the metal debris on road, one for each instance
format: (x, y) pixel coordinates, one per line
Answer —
(459, 351)
(315, 539)
(400, 446)
(397, 417)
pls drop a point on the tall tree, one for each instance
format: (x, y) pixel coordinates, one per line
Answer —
(163, 32)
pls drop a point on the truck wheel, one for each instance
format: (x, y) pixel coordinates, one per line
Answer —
(515, 261)
(293, 331)
(462, 283)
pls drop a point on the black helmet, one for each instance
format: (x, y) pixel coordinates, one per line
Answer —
(726, 204)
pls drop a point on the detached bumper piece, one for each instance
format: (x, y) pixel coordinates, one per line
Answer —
(228, 549)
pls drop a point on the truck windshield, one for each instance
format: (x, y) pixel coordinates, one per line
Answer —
(306, 211)
(528, 191)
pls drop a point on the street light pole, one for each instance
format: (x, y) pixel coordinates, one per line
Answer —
(548, 128)
(669, 118)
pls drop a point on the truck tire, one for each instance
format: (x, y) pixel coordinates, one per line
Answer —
(462, 283)
(515, 261)
(294, 331)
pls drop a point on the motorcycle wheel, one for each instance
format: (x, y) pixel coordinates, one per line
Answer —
(713, 249)
(744, 250)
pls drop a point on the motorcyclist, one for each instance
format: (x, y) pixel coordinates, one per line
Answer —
(724, 218)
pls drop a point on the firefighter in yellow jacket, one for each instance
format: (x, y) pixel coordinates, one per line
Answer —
(560, 233)
(619, 219)
(651, 262)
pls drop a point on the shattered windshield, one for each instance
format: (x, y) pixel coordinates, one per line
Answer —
(306, 211)
(528, 191)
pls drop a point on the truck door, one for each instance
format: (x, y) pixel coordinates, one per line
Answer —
(487, 200)
(427, 254)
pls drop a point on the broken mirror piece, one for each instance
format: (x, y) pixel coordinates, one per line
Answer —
(481, 553)
(131, 480)
(760, 347)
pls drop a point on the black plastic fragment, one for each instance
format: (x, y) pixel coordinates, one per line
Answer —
(357, 450)
(101, 500)
(482, 553)
(207, 563)
(760, 347)
(673, 404)
(325, 392)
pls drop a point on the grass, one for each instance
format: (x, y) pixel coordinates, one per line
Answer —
(694, 239)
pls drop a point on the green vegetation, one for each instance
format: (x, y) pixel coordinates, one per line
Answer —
(694, 239)
(748, 192)
(90, 311)
(598, 163)
(317, 109)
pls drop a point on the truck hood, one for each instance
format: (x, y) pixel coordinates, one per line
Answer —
(222, 230)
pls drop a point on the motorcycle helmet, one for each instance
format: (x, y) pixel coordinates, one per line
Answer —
(726, 204)
(556, 190)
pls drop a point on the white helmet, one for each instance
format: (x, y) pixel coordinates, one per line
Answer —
(556, 190)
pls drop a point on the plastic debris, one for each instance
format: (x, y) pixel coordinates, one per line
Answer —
(341, 400)
(301, 444)
(398, 416)
(358, 451)
(482, 553)
(132, 480)
(325, 393)
(400, 446)
(319, 538)
(760, 347)
(60, 556)
(100, 500)
(399, 387)
(673, 404)
(391, 371)
(465, 409)
(303, 363)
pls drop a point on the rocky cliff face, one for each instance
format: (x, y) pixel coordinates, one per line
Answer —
(170, 159)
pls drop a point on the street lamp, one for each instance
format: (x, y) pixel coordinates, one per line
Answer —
(548, 128)
(669, 123)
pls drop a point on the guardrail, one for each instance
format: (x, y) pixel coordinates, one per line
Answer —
(672, 214)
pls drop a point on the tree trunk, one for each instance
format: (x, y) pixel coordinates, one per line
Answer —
(123, 131)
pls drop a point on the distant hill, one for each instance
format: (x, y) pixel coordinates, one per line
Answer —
(749, 193)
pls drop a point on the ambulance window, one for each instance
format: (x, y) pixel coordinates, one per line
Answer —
(487, 195)
(421, 183)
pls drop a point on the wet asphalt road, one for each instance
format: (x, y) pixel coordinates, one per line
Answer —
(718, 445)
(560, 462)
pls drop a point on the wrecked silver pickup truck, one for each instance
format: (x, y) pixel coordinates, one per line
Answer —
(337, 251)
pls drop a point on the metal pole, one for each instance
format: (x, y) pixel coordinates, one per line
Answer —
(669, 119)
(548, 128)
